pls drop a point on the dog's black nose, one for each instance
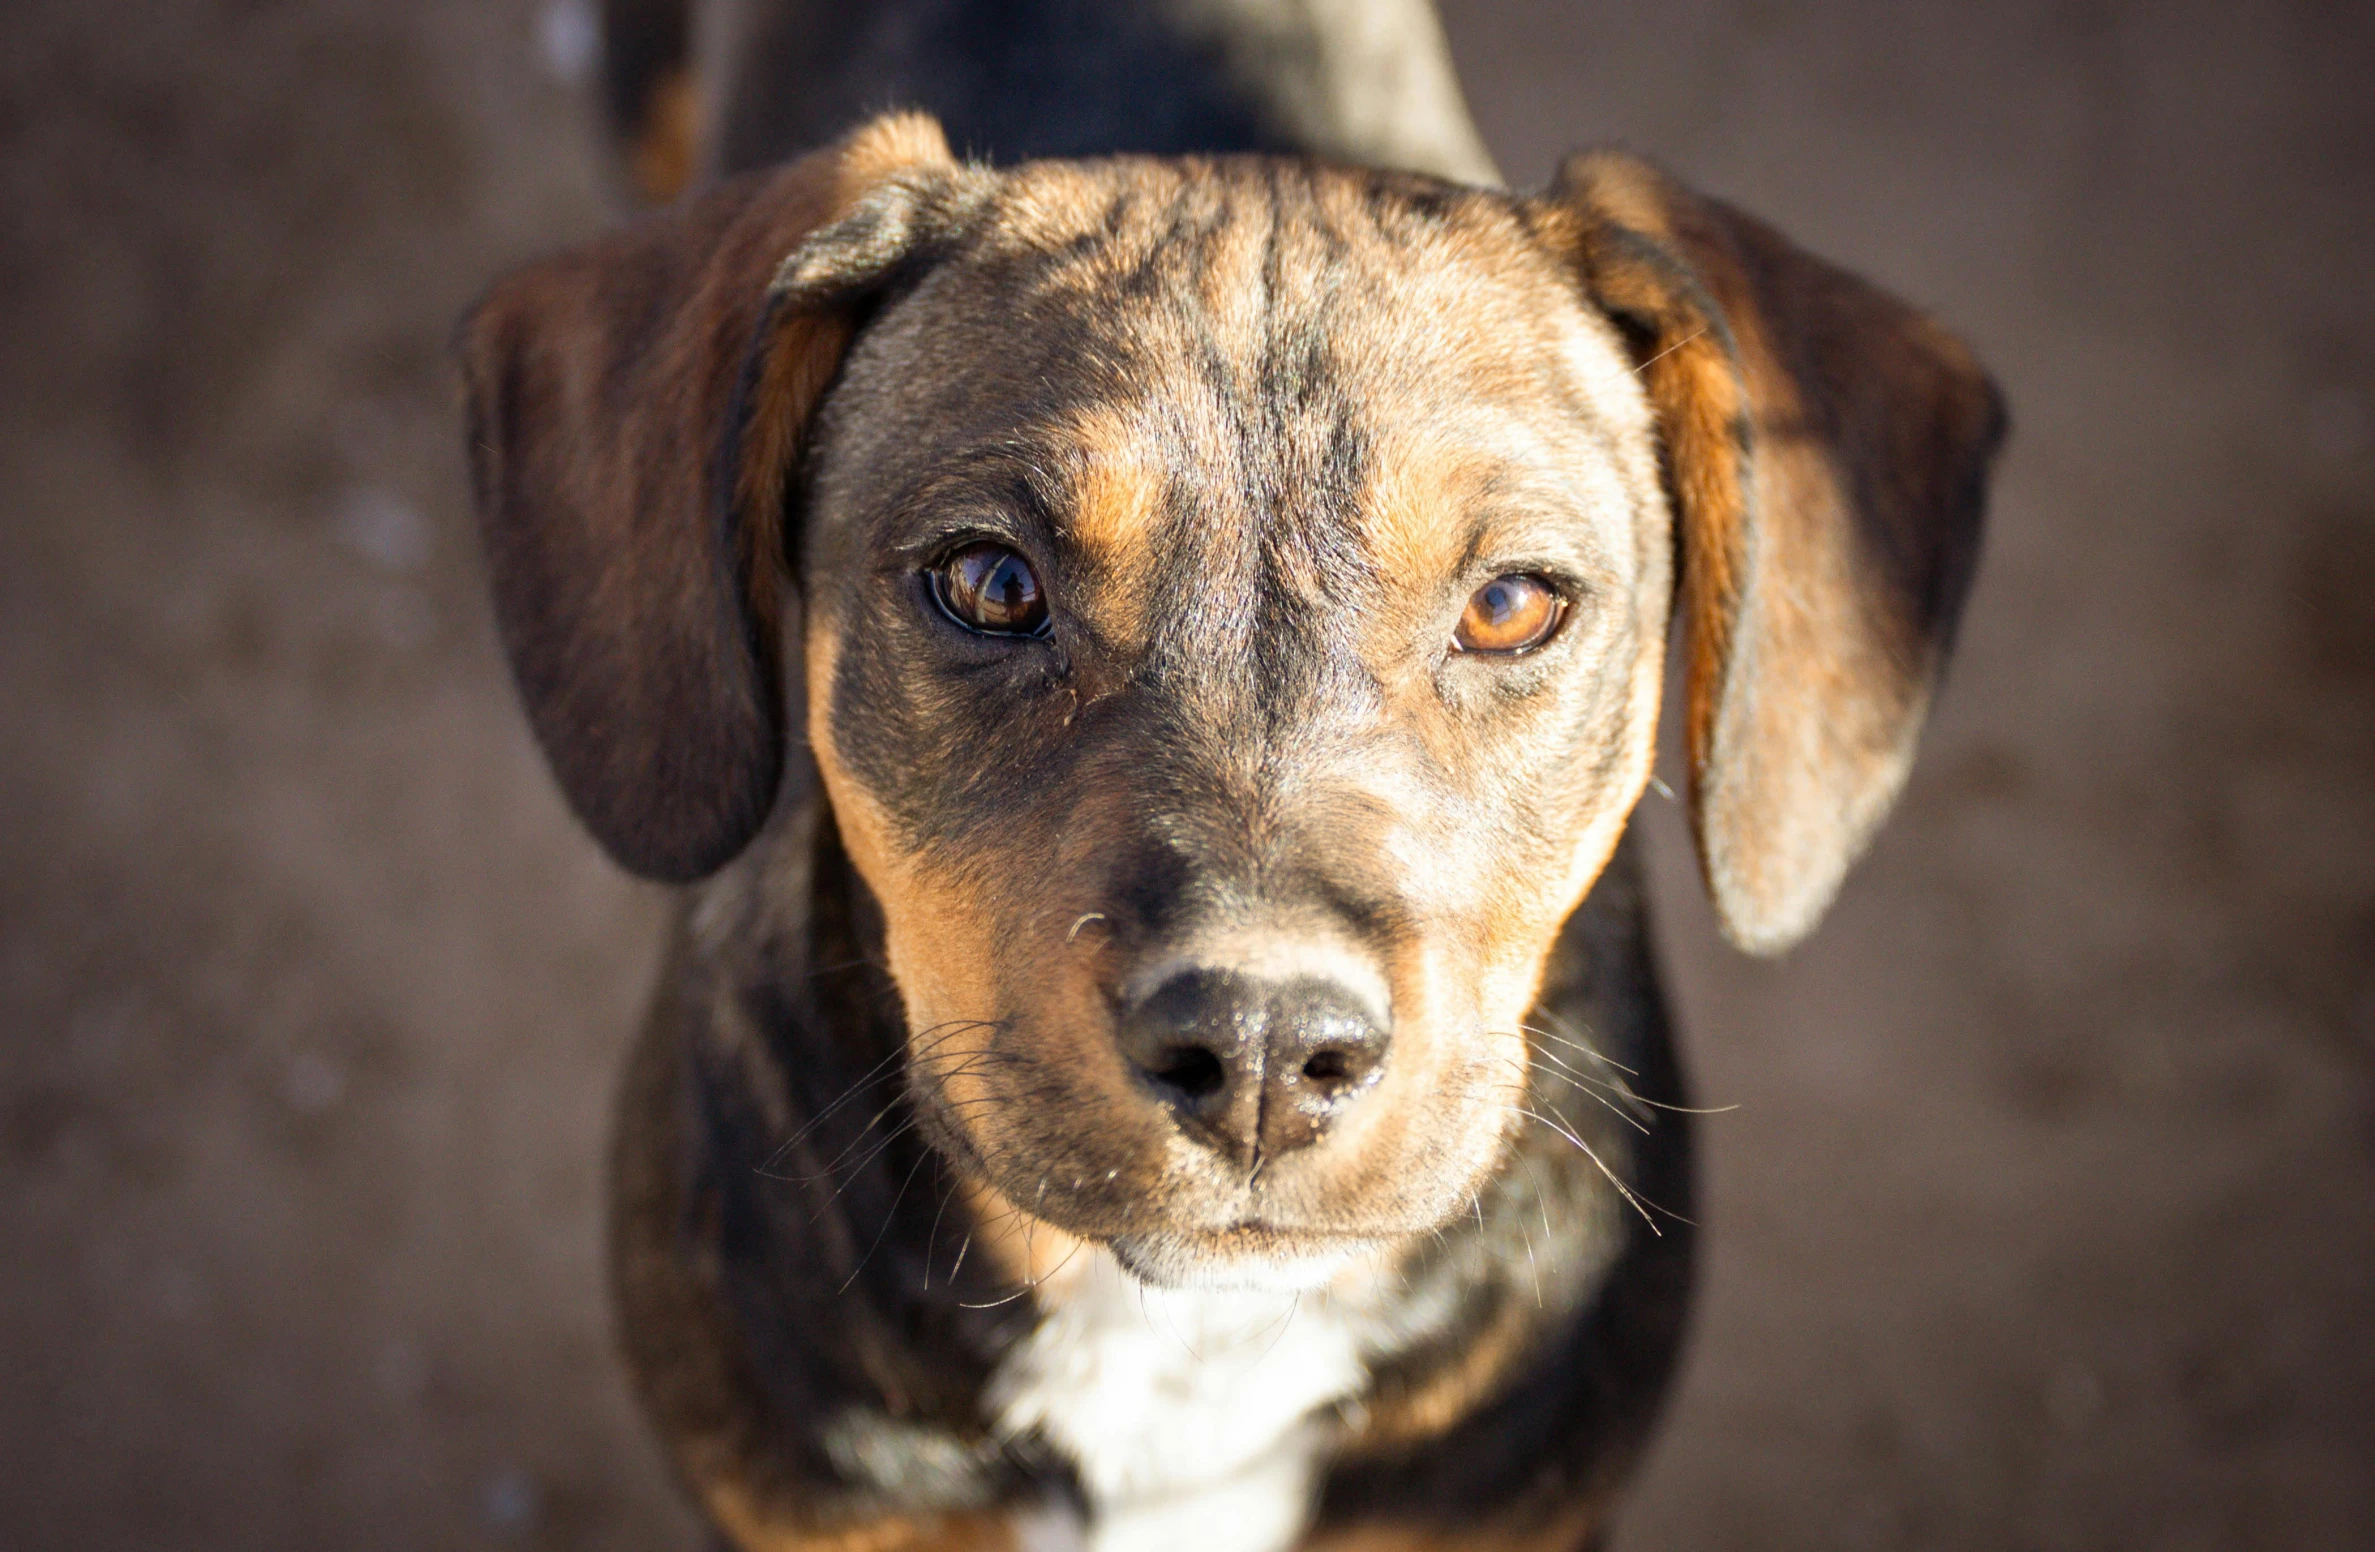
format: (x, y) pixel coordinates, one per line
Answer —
(1249, 1064)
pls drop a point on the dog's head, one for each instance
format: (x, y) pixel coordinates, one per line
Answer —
(1225, 603)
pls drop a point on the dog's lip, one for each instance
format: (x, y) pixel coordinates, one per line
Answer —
(1250, 1228)
(1177, 1259)
(1193, 1260)
(1245, 1235)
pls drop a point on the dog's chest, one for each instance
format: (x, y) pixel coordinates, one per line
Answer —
(1190, 1416)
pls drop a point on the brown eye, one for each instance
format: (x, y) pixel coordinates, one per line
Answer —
(1510, 614)
(988, 588)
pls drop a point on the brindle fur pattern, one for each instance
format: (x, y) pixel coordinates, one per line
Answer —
(811, 1317)
(1262, 425)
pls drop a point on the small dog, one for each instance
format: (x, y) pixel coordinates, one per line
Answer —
(1145, 664)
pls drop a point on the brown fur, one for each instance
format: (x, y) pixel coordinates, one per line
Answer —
(617, 558)
(1828, 448)
(946, 904)
(1263, 426)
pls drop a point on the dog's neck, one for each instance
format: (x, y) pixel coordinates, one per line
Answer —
(1361, 81)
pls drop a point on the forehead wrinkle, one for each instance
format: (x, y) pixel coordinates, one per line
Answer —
(1300, 452)
(1279, 287)
(1115, 242)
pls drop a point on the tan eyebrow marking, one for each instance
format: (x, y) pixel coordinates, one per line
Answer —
(1116, 488)
(1411, 512)
(1113, 513)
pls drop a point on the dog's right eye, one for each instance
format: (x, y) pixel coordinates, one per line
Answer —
(988, 588)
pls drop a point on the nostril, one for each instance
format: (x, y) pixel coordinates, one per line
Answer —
(1191, 1069)
(1327, 1067)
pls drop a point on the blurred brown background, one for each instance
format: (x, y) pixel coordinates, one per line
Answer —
(2048, 1216)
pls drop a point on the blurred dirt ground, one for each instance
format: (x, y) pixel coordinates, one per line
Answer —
(2048, 1216)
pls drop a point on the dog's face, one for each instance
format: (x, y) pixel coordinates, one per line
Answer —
(1235, 599)
(1226, 609)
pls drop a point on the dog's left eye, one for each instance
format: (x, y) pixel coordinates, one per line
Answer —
(988, 588)
(1509, 615)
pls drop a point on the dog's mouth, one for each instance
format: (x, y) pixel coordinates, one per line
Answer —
(1229, 1245)
(1067, 1152)
(1248, 1257)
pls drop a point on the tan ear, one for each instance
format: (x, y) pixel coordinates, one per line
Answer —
(1827, 450)
(635, 407)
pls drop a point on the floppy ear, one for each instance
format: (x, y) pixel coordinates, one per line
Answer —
(635, 407)
(1827, 450)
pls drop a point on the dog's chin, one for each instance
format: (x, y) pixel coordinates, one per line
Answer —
(1269, 1264)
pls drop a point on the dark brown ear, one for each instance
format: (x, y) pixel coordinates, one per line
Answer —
(1827, 450)
(634, 410)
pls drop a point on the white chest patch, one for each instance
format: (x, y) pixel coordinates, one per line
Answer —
(1187, 1413)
